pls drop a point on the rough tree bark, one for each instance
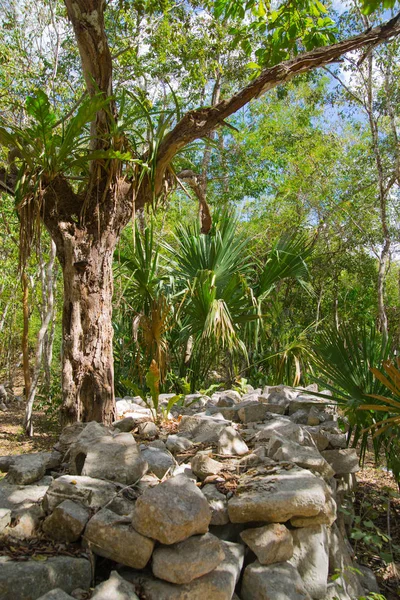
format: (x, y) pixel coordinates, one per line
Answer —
(86, 228)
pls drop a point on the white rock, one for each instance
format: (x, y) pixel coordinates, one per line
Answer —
(271, 544)
(118, 541)
(311, 558)
(115, 588)
(230, 442)
(172, 511)
(280, 581)
(181, 563)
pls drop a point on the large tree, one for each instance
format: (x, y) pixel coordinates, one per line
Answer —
(85, 222)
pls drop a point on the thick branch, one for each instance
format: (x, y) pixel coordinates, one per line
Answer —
(198, 123)
(87, 18)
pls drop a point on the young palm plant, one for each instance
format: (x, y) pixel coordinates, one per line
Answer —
(144, 314)
(346, 360)
(386, 424)
(215, 298)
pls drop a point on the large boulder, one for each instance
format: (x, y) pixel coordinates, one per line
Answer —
(172, 511)
(159, 461)
(219, 584)
(343, 461)
(271, 544)
(107, 536)
(202, 428)
(116, 458)
(280, 581)
(28, 468)
(307, 457)
(67, 522)
(311, 558)
(90, 492)
(115, 588)
(203, 465)
(30, 579)
(279, 496)
(83, 440)
(188, 560)
(230, 442)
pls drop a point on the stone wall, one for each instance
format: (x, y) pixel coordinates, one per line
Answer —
(236, 496)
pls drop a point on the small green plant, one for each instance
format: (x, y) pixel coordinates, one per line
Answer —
(153, 385)
(241, 385)
(365, 531)
(49, 399)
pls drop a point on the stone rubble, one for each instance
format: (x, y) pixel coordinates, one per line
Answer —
(236, 500)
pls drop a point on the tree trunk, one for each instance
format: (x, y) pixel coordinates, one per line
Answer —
(47, 317)
(383, 261)
(88, 372)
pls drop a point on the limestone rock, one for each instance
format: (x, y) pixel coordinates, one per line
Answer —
(271, 544)
(336, 440)
(148, 430)
(125, 425)
(176, 443)
(202, 428)
(342, 461)
(230, 442)
(115, 588)
(284, 427)
(118, 541)
(56, 594)
(116, 458)
(159, 461)
(67, 521)
(219, 584)
(28, 468)
(172, 511)
(311, 558)
(83, 443)
(33, 578)
(324, 517)
(24, 523)
(69, 435)
(230, 395)
(279, 496)
(187, 560)
(303, 456)
(300, 417)
(319, 437)
(92, 493)
(307, 402)
(203, 465)
(255, 411)
(280, 581)
(218, 504)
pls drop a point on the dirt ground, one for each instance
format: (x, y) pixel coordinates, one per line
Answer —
(377, 501)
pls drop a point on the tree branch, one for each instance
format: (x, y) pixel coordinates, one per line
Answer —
(87, 18)
(198, 123)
